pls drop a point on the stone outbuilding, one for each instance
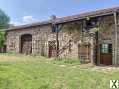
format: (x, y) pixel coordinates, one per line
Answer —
(91, 36)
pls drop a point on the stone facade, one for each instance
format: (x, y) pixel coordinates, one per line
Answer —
(70, 39)
(41, 35)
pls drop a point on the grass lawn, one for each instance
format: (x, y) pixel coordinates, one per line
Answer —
(27, 72)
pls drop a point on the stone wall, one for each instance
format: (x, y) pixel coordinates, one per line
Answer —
(107, 34)
(41, 35)
(39, 39)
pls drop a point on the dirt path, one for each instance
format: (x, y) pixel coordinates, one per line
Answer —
(7, 58)
(105, 68)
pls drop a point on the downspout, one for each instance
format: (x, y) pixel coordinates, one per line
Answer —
(116, 37)
(53, 19)
(57, 41)
(97, 46)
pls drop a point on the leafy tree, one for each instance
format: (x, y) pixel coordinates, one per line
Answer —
(4, 24)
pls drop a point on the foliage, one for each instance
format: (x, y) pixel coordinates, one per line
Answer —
(66, 61)
(2, 38)
(73, 29)
(4, 20)
(4, 23)
(87, 18)
(95, 29)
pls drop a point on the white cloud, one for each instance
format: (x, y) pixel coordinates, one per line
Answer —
(25, 20)
(29, 19)
(15, 23)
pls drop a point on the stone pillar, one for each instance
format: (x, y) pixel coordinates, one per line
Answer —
(33, 44)
(17, 43)
(92, 50)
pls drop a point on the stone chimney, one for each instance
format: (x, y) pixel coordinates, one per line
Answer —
(53, 17)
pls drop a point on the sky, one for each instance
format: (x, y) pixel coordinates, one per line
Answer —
(28, 11)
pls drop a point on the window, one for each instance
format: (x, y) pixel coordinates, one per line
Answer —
(55, 28)
(106, 48)
(91, 23)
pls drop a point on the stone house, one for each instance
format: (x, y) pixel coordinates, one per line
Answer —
(91, 36)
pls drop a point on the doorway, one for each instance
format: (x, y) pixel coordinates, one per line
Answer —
(84, 52)
(52, 48)
(26, 44)
(106, 54)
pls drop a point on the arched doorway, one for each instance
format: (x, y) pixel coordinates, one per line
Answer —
(26, 44)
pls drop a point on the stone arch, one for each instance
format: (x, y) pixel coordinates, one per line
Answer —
(26, 44)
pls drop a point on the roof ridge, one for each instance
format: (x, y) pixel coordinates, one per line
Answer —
(69, 18)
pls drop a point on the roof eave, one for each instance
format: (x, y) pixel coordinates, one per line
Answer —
(97, 13)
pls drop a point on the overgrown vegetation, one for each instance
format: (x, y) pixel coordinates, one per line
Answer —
(4, 23)
(28, 72)
(66, 61)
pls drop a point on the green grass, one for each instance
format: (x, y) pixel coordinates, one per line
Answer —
(27, 72)
(66, 62)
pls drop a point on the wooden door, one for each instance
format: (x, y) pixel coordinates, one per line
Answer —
(84, 52)
(106, 54)
(26, 44)
(52, 48)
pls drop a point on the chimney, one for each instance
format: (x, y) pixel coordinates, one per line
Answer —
(53, 17)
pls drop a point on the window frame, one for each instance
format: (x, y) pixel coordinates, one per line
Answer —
(106, 48)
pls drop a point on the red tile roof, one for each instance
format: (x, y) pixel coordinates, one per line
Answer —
(70, 18)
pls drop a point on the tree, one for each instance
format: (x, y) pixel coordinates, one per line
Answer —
(4, 24)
